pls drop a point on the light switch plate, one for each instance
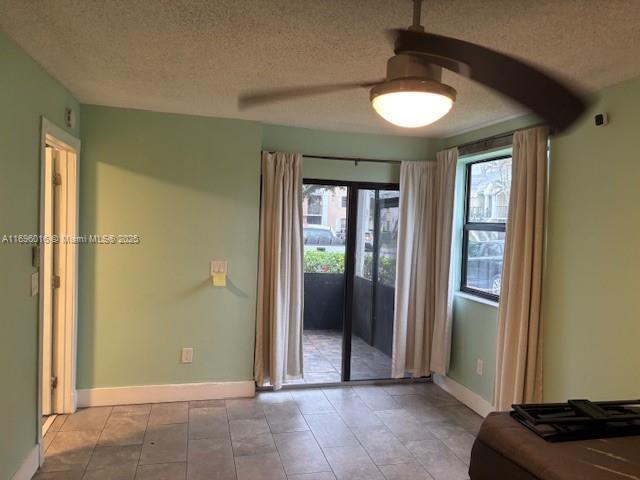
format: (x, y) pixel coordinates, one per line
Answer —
(187, 355)
(480, 366)
(218, 266)
(35, 283)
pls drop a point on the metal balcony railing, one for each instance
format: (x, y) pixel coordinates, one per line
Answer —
(485, 214)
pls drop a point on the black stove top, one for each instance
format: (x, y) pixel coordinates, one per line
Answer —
(580, 419)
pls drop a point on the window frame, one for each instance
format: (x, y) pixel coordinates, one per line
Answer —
(483, 226)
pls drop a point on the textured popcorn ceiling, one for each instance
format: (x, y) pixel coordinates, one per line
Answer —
(196, 56)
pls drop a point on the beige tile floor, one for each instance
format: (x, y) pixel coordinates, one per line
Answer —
(393, 432)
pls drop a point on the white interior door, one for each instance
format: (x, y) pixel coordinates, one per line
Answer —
(65, 277)
(59, 274)
(59, 249)
(47, 285)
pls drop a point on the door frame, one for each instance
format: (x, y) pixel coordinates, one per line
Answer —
(65, 331)
(350, 261)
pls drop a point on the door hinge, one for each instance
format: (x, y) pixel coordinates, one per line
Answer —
(57, 179)
(56, 281)
(54, 382)
(35, 256)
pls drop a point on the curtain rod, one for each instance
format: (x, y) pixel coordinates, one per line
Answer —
(468, 148)
(351, 159)
(494, 141)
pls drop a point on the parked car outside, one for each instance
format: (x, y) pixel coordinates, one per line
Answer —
(322, 238)
(484, 266)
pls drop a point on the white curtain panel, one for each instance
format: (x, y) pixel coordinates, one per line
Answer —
(278, 355)
(519, 345)
(421, 335)
(447, 161)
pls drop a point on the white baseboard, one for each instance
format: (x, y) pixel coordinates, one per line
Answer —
(30, 465)
(95, 397)
(471, 399)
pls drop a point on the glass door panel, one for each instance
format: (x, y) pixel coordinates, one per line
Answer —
(374, 284)
(324, 210)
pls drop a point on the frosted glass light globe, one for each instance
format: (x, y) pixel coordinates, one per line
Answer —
(411, 109)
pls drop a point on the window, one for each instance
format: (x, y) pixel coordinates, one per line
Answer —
(488, 184)
(344, 201)
(342, 228)
(314, 204)
(313, 207)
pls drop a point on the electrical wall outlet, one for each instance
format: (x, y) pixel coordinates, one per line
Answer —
(480, 366)
(187, 355)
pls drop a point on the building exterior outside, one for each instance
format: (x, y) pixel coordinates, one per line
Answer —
(326, 206)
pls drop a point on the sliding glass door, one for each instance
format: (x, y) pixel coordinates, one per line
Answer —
(324, 209)
(350, 243)
(374, 284)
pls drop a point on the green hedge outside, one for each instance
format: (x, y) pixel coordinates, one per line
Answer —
(323, 262)
(333, 262)
(386, 269)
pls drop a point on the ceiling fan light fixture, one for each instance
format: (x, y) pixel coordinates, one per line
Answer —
(412, 102)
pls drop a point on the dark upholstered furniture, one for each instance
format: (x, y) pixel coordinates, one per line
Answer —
(505, 449)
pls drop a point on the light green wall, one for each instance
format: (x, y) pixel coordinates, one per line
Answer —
(327, 143)
(189, 186)
(473, 337)
(591, 304)
(26, 93)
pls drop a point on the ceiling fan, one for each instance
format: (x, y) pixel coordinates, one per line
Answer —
(413, 95)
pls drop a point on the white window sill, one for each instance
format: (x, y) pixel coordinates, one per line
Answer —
(475, 298)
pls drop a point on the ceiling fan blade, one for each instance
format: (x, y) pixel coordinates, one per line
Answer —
(557, 104)
(260, 97)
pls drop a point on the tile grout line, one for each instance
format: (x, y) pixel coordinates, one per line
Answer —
(365, 448)
(275, 445)
(413, 456)
(186, 453)
(84, 471)
(314, 435)
(432, 434)
(146, 427)
(233, 457)
(447, 446)
(354, 434)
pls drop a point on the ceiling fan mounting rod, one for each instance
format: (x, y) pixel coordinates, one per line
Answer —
(417, 11)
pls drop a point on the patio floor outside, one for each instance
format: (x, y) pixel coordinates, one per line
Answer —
(323, 359)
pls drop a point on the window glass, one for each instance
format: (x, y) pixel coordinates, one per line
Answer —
(388, 237)
(324, 229)
(487, 204)
(489, 188)
(484, 260)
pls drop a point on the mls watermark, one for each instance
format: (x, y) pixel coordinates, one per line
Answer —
(86, 239)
